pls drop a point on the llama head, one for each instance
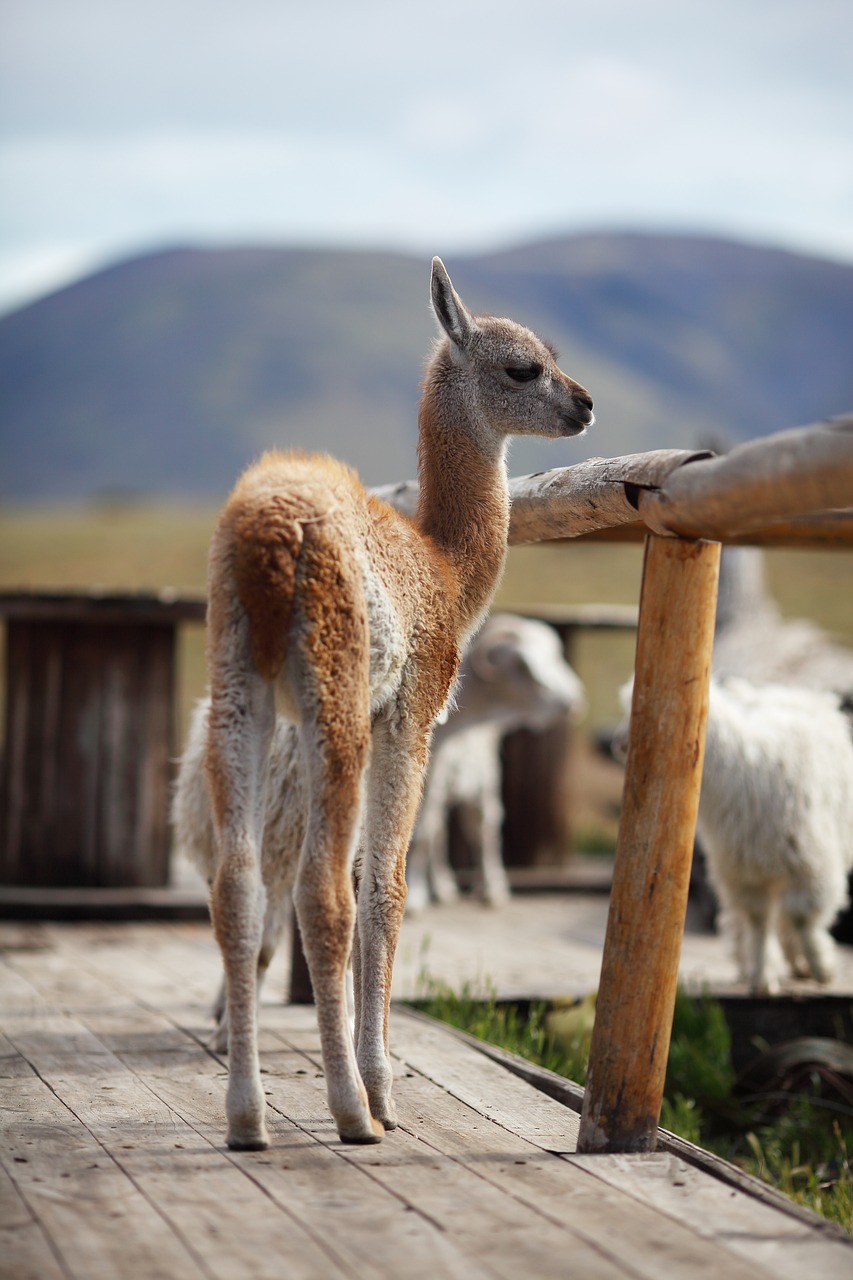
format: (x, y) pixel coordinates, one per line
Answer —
(508, 376)
(521, 670)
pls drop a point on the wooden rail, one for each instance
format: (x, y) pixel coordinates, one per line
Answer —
(794, 488)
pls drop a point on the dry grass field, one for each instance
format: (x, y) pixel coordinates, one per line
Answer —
(149, 546)
(138, 546)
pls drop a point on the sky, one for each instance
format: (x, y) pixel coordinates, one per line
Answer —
(453, 126)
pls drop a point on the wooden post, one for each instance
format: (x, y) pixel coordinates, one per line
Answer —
(633, 1021)
(538, 766)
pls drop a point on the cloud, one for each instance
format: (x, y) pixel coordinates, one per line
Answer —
(463, 124)
(26, 274)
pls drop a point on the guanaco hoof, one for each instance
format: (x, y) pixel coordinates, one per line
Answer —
(256, 1144)
(363, 1138)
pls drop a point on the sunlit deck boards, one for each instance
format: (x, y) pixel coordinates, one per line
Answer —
(113, 1162)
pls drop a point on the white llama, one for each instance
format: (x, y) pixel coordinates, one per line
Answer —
(776, 822)
(350, 619)
(514, 675)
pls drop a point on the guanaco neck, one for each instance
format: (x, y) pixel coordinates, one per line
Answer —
(464, 496)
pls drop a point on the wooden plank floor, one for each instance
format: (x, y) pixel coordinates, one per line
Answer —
(113, 1163)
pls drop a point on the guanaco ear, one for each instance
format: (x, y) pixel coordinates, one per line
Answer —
(452, 314)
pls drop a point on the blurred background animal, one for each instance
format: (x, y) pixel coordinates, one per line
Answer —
(753, 640)
(513, 676)
(776, 824)
(775, 827)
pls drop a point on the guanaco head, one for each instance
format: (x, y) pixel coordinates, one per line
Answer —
(509, 377)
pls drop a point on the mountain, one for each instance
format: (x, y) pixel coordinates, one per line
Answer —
(167, 373)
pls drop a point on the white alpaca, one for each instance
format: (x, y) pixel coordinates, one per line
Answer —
(350, 619)
(513, 675)
(776, 822)
(754, 641)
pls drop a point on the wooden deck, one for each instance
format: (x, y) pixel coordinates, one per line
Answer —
(113, 1161)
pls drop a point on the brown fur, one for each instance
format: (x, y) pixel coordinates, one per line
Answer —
(354, 618)
(471, 553)
(337, 641)
(267, 531)
(267, 546)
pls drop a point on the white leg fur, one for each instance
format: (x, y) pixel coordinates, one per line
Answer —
(242, 730)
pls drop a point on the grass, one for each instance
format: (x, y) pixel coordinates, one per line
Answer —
(797, 1142)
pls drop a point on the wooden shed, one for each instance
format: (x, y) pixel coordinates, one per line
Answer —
(89, 737)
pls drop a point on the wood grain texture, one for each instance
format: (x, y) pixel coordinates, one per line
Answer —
(823, 531)
(89, 741)
(775, 478)
(792, 488)
(648, 901)
(114, 1165)
(600, 493)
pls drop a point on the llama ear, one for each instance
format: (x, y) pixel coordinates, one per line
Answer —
(450, 311)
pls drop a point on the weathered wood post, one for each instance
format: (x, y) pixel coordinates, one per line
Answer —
(539, 766)
(633, 1021)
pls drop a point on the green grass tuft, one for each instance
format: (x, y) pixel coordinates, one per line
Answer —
(796, 1142)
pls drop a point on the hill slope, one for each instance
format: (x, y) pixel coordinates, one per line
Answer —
(167, 373)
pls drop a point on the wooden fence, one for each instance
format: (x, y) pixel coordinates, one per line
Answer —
(794, 488)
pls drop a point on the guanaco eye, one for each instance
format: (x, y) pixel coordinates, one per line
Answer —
(523, 372)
